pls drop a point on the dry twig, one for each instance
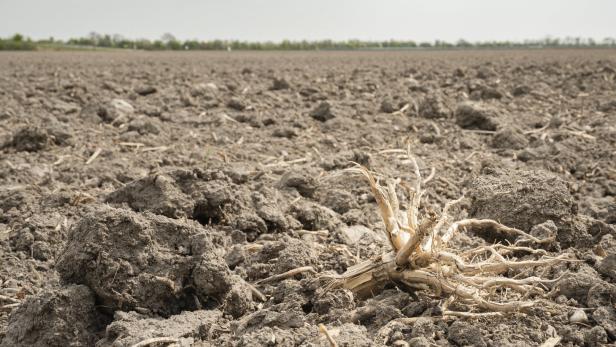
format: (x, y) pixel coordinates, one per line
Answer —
(287, 274)
(94, 156)
(323, 330)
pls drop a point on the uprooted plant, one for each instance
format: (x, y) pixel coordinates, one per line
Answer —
(422, 259)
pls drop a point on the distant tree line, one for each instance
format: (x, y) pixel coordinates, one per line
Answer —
(17, 42)
(169, 42)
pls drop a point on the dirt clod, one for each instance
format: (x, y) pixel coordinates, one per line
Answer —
(303, 181)
(144, 126)
(65, 317)
(158, 194)
(509, 138)
(132, 260)
(130, 328)
(577, 285)
(145, 90)
(236, 104)
(607, 266)
(606, 318)
(434, 106)
(465, 334)
(476, 115)
(115, 110)
(595, 337)
(280, 84)
(323, 112)
(29, 139)
(520, 199)
(387, 106)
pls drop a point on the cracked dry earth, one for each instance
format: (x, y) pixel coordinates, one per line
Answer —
(150, 197)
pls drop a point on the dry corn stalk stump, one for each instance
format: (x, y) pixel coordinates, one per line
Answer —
(422, 259)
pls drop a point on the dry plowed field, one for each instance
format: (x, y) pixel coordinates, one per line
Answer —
(218, 199)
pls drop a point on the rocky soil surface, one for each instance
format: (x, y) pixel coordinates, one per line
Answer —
(150, 197)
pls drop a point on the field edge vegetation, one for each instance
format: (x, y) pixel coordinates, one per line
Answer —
(169, 42)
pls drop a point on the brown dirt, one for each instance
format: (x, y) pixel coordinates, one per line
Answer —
(142, 195)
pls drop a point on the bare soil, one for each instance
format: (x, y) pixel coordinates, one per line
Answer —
(146, 195)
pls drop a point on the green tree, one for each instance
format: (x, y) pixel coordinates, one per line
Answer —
(17, 38)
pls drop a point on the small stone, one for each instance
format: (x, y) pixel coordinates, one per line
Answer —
(578, 316)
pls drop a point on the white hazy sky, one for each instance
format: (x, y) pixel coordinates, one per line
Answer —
(260, 20)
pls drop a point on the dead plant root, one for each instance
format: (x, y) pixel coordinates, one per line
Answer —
(421, 257)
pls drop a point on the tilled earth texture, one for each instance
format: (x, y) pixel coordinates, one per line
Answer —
(145, 196)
